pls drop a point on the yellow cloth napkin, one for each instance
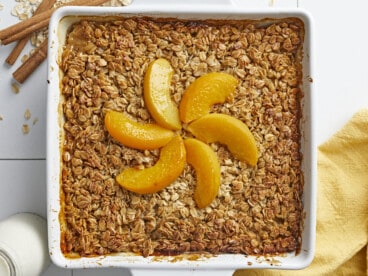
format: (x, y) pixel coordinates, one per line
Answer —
(342, 210)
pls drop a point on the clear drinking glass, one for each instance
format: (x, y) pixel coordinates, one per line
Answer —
(23, 245)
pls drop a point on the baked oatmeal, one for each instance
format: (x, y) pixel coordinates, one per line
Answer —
(258, 210)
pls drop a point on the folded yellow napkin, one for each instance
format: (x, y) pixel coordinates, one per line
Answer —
(342, 209)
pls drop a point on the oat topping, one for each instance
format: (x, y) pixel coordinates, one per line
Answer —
(258, 210)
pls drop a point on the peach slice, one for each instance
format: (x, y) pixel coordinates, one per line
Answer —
(134, 134)
(204, 92)
(204, 161)
(156, 92)
(167, 169)
(229, 131)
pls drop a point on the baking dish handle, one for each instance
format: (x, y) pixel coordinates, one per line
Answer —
(169, 272)
(186, 2)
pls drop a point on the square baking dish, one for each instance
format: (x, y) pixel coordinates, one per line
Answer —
(59, 25)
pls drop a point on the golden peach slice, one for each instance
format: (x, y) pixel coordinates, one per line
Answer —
(134, 134)
(153, 179)
(204, 92)
(206, 165)
(157, 96)
(229, 131)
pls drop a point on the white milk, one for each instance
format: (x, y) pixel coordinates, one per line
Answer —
(23, 245)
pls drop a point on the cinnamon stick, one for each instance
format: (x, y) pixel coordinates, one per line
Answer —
(27, 24)
(37, 22)
(35, 26)
(29, 66)
(14, 54)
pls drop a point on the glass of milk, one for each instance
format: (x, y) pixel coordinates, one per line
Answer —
(23, 245)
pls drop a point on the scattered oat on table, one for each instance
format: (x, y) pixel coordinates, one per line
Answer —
(25, 129)
(15, 87)
(24, 58)
(27, 114)
(24, 9)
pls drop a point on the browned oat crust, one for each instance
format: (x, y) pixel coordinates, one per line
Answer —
(258, 210)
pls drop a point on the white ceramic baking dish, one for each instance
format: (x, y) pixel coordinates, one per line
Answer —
(60, 22)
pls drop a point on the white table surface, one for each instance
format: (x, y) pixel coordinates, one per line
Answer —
(340, 78)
